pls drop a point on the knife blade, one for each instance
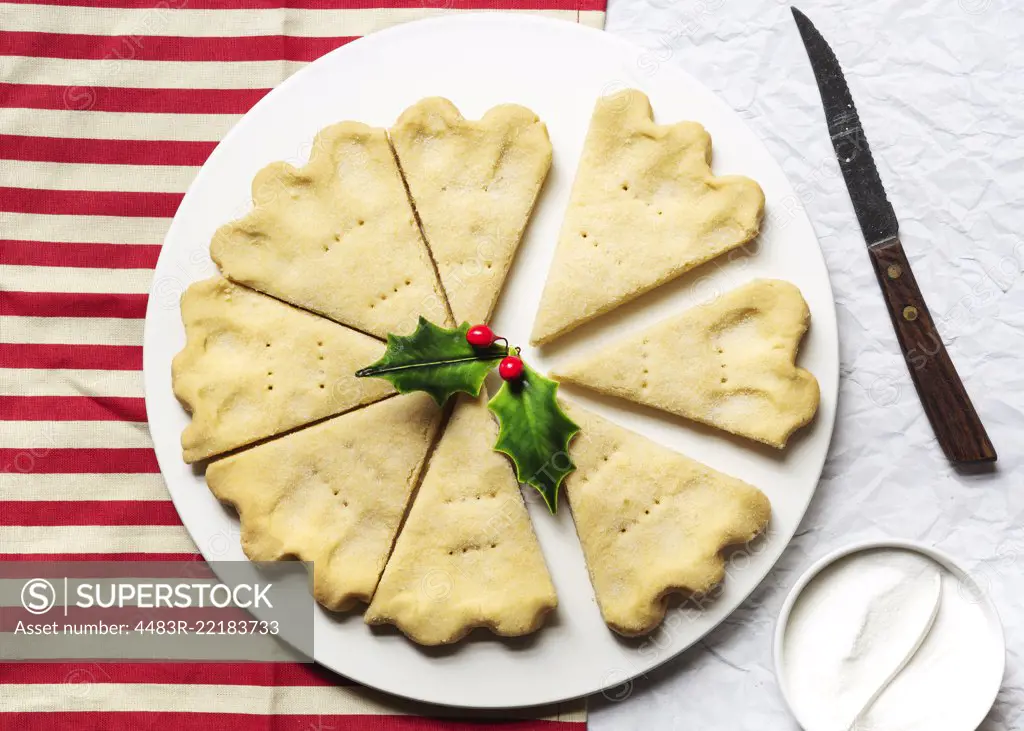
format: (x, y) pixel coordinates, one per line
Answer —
(946, 403)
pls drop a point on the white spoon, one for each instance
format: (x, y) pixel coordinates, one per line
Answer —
(935, 601)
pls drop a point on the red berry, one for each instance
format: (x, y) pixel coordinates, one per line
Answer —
(480, 336)
(511, 368)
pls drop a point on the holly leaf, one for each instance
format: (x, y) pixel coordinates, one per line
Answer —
(436, 360)
(534, 433)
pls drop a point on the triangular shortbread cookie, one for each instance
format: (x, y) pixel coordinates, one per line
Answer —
(467, 556)
(473, 184)
(644, 209)
(337, 237)
(729, 363)
(253, 367)
(652, 522)
(333, 494)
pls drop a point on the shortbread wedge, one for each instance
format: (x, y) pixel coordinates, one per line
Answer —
(644, 209)
(652, 522)
(473, 184)
(729, 363)
(467, 556)
(253, 367)
(333, 494)
(337, 237)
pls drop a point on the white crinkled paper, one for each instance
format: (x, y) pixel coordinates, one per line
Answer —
(939, 85)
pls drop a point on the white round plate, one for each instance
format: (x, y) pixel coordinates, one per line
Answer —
(559, 70)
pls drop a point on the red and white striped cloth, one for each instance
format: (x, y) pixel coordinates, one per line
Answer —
(107, 110)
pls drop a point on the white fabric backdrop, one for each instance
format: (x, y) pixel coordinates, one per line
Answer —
(938, 84)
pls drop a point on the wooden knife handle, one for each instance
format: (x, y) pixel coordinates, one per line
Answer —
(949, 408)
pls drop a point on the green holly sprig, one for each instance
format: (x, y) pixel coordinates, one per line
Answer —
(534, 432)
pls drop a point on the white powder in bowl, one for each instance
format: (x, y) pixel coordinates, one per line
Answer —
(861, 619)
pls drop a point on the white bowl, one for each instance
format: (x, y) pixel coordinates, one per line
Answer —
(940, 557)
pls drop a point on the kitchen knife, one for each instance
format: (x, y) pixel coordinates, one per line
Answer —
(949, 408)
